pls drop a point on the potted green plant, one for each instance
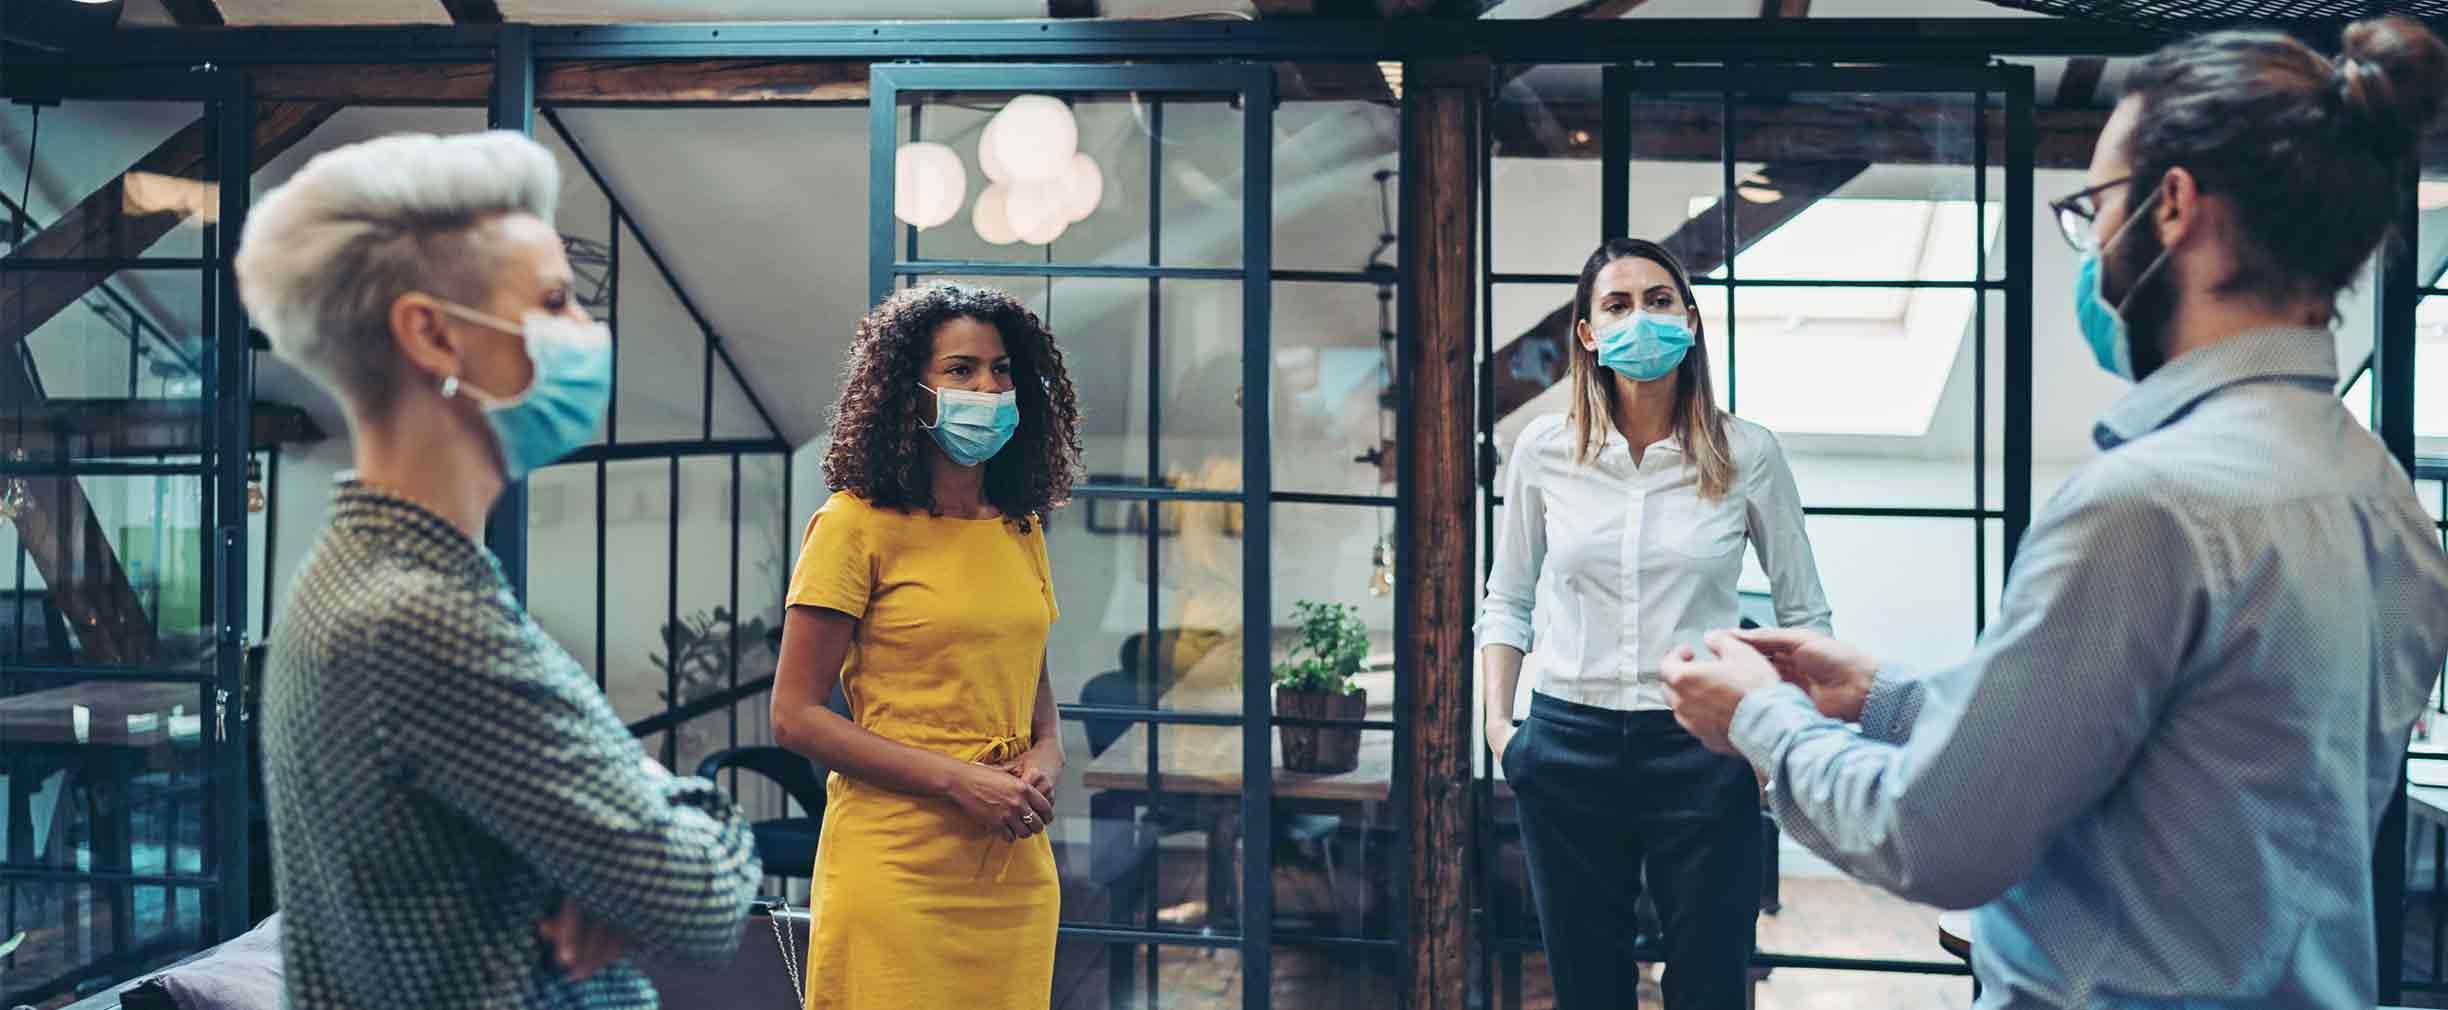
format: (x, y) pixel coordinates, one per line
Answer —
(1315, 682)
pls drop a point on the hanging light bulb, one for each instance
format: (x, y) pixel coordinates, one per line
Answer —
(1035, 209)
(1381, 569)
(1034, 137)
(990, 158)
(16, 500)
(928, 183)
(991, 215)
(1082, 186)
(255, 489)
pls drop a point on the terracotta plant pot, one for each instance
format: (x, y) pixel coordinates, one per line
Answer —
(1320, 750)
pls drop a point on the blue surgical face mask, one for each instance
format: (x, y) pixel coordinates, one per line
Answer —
(1645, 345)
(2102, 324)
(562, 406)
(972, 427)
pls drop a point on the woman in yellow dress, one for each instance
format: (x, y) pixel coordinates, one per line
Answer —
(922, 591)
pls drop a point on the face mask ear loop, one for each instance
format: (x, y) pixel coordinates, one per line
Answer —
(938, 409)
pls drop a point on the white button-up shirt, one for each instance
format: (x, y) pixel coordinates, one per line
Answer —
(1604, 567)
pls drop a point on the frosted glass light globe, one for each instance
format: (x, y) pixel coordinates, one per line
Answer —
(1083, 186)
(1034, 137)
(990, 159)
(992, 216)
(928, 184)
(1030, 205)
(1046, 232)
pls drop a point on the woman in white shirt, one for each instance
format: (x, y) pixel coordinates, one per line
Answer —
(1621, 539)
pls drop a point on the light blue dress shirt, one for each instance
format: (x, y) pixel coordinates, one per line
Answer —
(2161, 773)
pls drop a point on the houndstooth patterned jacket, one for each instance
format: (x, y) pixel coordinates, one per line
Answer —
(440, 775)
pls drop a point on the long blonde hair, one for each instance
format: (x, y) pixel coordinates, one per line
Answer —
(1697, 423)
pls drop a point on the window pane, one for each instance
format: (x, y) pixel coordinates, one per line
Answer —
(1543, 178)
(141, 602)
(1333, 978)
(153, 152)
(659, 385)
(140, 334)
(1334, 397)
(1099, 551)
(1900, 588)
(1331, 209)
(1854, 186)
(1108, 209)
(1144, 852)
(637, 504)
(561, 584)
(1339, 869)
(69, 928)
(709, 638)
(1806, 363)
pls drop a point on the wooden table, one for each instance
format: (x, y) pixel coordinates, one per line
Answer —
(107, 732)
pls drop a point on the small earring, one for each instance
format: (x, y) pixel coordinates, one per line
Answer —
(450, 386)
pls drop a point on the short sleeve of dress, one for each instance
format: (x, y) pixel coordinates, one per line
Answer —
(837, 558)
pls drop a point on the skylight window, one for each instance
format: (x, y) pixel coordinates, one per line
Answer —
(1852, 360)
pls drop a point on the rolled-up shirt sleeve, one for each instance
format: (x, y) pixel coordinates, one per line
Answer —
(1521, 545)
(1960, 777)
(1780, 534)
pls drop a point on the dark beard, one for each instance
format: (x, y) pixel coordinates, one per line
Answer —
(2147, 310)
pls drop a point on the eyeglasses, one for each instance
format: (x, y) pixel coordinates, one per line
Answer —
(2076, 213)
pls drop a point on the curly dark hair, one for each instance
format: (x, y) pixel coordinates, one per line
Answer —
(879, 448)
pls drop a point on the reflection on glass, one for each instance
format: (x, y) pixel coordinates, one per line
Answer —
(84, 146)
(1334, 391)
(141, 603)
(1543, 175)
(1160, 852)
(128, 762)
(1801, 156)
(1314, 978)
(561, 526)
(1337, 843)
(1334, 183)
(637, 512)
(140, 334)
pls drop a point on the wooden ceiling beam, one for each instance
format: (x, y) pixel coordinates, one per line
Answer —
(194, 13)
(640, 82)
(473, 12)
(2079, 88)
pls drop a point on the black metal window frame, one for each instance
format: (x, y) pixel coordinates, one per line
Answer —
(219, 466)
(894, 260)
(507, 529)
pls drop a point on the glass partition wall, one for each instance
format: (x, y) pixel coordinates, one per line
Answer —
(124, 420)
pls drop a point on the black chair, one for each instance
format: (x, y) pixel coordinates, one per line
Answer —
(786, 845)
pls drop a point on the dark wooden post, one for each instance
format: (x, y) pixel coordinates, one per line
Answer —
(1440, 195)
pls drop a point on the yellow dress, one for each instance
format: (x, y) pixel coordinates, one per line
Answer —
(917, 907)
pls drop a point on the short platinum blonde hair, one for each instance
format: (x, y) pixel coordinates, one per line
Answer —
(326, 253)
